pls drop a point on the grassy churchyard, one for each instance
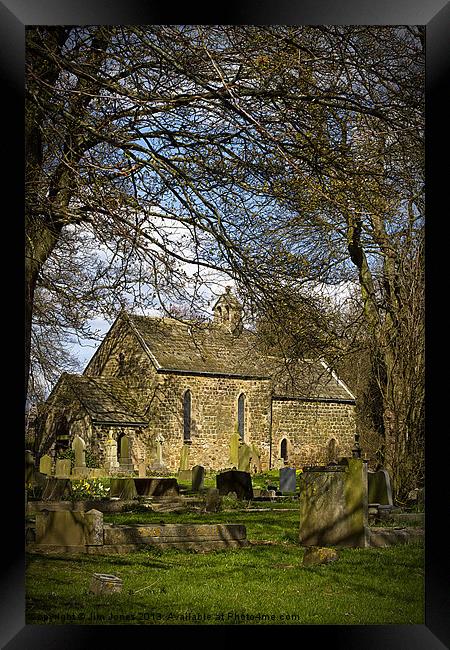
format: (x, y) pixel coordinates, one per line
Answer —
(263, 583)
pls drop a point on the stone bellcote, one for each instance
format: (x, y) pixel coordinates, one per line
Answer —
(228, 312)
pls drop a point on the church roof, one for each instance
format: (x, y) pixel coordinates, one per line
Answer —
(206, 349)
(106, 399)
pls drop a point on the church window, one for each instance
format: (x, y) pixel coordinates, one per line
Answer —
(187, 416)
(241, 416)
(283, 450)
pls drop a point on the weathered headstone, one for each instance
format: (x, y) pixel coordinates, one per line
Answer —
(94, 527)
(213, 502)
(198, 475)
(142, 470)
(379, 486)
(333, 505)
(79, 466)
(235, 481)
(63, 467)
(234, 449)
(255, 459)
(184, 458)
(288, 481)
(244, 457)
(155, 486)
(111, 463)
(279, 463)
(185, 475)
(45, 465)
(125, 461)
(69, 528)
(158, 463)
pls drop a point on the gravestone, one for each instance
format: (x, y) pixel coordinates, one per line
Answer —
(234, 449)
(213, 502)
(279, 463)
(155, 486)
(142, 470)
(198, 475)
(255, 460)
(69, 528)
(63, 467)
(235, 481)
(125, 462)
(184, 473)
(79, 466)
(45, 465)
(110, 463)
(379, 486)
(94, 527)
(184, 458)
(158, 463)
(244, 457)
(288, 481)
(333, 505)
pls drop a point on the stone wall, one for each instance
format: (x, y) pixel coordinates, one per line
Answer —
(214, 413)
(309, 427)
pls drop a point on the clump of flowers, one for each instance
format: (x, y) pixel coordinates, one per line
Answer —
(89, 489)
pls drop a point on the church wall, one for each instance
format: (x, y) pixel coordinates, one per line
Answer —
(309, 427)
(213, 418)
(136, 367)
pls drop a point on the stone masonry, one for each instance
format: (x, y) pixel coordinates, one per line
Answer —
(137, 381)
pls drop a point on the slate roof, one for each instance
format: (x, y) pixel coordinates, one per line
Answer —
(106, 399)
(181, 347)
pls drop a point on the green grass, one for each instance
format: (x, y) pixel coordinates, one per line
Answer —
(275, 526)
(261, 584)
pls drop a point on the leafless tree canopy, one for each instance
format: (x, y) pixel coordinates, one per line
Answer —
(284, 156)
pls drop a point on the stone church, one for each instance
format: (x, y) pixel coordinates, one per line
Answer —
(180, 391)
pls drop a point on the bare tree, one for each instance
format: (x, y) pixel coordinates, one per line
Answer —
(284, 155)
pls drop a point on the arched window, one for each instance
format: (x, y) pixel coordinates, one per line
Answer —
(187, 416)
(284, 450)
(241, 416)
